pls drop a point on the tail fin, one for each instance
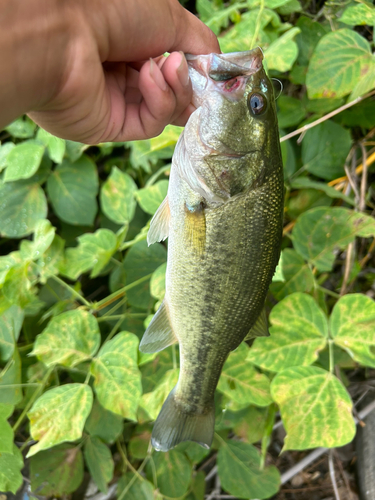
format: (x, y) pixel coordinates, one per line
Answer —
(173, 426)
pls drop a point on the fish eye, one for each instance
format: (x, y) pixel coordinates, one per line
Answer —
(257, 103)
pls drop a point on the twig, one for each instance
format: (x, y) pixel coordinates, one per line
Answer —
(343, 475)
(332, 475)
(358, 170)
(348, 267)
(362, 199)
(368, 255)
(326, 117)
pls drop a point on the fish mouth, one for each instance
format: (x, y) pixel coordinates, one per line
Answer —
(224, 67)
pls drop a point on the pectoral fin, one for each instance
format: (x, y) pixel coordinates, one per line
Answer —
(260, 328)
(195, 228)
(159, 227)
(159, 333)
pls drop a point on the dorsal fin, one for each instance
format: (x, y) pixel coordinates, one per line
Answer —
(159, 227)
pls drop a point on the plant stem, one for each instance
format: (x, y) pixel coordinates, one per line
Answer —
(128, 244)
(328, 292)
(133, 479)
(331, 357)
(257, 26)
(120, 293)
(72, 291)
(33, 398)
(157, 174)
(122, 316)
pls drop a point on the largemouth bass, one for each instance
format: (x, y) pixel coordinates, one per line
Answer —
(223, 216)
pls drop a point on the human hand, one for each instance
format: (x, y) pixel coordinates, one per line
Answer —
(97, 81)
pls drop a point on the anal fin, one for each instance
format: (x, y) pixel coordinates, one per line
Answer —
(159, 333)
(159, 227)
(260, 328)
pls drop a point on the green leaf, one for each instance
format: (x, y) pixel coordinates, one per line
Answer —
(299, 331)
(340, 60)
(10, 470)
(23, 160)
(241, 383)
(68, 339)
(10, 327)
(117, 378)
(290, 7)
(6, 431)
(282, 53)
(59, 415)
(150, 198)
(117, 197)
(152, 373)
(298, 277)
(315, 408)
(22, 128)
(320, 231)
(309, 36)
(56, 472)
(153, 401)
(5, 149)
(7, 262)
(74, 150)
(99, 461)
(157, 282)
(103, 423)
(306, 182)
(360, 14)
(240, 474)
(93, 252)
(324, 150)
(10, 380)
(194, 451)
(352, 326)
(72, 189)
(139, 490)
(43, 237)
(22, 206)
(290, 111)
(140, 261)
(173, 473)
(55, 145)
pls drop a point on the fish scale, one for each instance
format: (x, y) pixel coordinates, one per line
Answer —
(223, 216)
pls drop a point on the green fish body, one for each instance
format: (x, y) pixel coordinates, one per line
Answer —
(223, 216)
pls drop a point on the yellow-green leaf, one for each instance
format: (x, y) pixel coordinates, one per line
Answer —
(352, 325)
(320, 231)
(153, 401)
(315, 408)
(283, 52)
(59, 415)
(360, 14)
(340, 60)
(68, 339)
(93, 252)
(299, 331)
(117, 378)
(117, 197)
(6, 431)
(297, 275)
(149, 198)
(10, 327)
(23, 160)
(240, 381)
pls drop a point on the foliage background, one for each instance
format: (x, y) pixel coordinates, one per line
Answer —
(78, 283)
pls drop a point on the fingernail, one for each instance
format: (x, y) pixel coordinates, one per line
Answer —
(157, 76)
(183, 71)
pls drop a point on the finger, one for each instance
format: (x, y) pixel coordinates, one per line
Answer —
(176, 74)
(181, 120)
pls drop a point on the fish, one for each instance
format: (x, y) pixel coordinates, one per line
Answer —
(223, 215)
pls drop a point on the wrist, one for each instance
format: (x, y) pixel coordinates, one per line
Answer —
(35, 40)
